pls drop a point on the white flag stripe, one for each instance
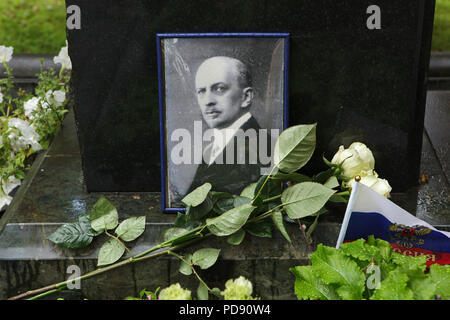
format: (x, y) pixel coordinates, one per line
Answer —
(348, 213)
(371, 201)
(364, 199)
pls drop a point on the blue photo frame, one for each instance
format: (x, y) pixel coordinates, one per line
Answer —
(162, 94)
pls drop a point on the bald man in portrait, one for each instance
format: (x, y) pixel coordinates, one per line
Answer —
(225, 94)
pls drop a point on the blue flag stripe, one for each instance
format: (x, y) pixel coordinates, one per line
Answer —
(363, 224)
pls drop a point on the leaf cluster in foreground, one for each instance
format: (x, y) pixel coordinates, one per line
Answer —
(370, 270)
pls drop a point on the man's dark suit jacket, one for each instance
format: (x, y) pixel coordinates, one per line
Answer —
(233, 178)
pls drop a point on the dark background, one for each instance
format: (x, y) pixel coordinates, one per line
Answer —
(357, 84)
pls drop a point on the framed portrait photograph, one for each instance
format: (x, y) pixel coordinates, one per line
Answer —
(223, 104)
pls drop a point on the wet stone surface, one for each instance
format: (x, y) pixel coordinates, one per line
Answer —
(53, 193)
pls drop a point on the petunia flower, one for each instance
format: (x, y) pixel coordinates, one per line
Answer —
(6, 53)
(63, 58)
(22, 135)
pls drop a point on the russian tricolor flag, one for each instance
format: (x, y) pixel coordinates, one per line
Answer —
(369, 213)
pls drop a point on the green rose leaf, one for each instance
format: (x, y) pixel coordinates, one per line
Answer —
(293, 177)
(183, 221)
(323, 176)
(103, 215)
(185, 268)
(172, 233)
(236, 238)
(338, 199)
(198, 212)
(205, 258)
(218, 195)
(294, 147)
(71, 236)
(230, 221)
(223, 205)
(197, 196)
(261, 229)
(249, 191)
(269, 188)
(313, 226)
(332, 182)
(239, 201)
(202, 292)
(131, 228)
(305, 199)
(277, 219)
(110, 252)
(85, 223)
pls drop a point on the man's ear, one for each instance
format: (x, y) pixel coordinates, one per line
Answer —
(247, 97)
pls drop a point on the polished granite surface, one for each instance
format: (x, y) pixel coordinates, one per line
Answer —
(358, 84)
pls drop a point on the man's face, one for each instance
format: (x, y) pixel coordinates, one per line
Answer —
(218, 93)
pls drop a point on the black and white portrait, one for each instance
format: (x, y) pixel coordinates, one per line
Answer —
(223, 106)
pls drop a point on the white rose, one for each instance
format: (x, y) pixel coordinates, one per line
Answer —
(63, 58)
(356, 159)
(6, 53)
(23, 136)
(373, 182)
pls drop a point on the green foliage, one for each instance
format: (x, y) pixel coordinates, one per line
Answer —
(110, 252)
(197, 196)
(305, 199)
(131, 228)
(102, 217)
(25, 132)
(294, 147)
(369, 270)
(205, 258)
(441, 30)
(230, 221)
(33, 26)
(145, 295)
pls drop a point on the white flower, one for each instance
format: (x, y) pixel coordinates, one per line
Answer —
(372, 181)
(63, 58)
(175, 292)
(5, 200)
(56, 97)
(30, 106)
(22, 135)
(238, 289)
(6, 53)
(1, 97)
(356, 159)
(10, 184)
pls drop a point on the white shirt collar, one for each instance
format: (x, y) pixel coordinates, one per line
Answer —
(224, 135)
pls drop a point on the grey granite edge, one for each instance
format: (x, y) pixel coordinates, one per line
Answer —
(439, 64)
(28, 65)
(22, 189)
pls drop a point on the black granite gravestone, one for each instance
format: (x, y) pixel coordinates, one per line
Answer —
(359, 84)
